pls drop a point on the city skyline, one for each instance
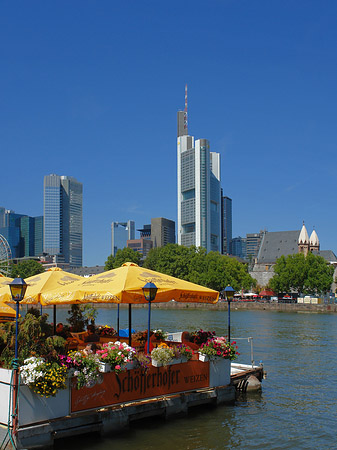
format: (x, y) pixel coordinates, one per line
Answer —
(99, 102)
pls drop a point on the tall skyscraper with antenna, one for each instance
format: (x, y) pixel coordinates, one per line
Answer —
(199, 194)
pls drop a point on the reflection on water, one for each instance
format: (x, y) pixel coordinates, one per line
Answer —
(296, 409)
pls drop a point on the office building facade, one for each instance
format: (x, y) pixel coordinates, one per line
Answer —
(253, 244)
(23, 233)
(239, 247)
(62, 220)
(199, 196)
(121, 232)
(226, 224)
(163, 231)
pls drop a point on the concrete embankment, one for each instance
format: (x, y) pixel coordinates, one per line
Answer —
(222, 305)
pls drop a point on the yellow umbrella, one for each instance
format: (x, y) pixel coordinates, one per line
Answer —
(124, 285)
(6, 312)
(4, 281)
(43, 282)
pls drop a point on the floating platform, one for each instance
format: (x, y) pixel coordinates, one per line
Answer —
(114, 418)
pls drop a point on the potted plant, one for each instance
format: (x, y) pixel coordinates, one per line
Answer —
(201, 337)
(182, 352)
(85, 368)
(117, 355)
(162, 355)
(217, 347)
(160, 335)
(43, 377)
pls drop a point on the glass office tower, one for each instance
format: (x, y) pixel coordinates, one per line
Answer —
(63, 219)
(199, 198)
(121, 232)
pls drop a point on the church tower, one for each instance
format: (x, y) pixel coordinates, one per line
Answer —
(314, 242)
(303, 241)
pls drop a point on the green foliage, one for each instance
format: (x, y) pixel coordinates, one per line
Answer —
(194, 264)
(31, 338)
(122, 256)
(90, 313)
(309, 274)
(77, 320)
(26, 269)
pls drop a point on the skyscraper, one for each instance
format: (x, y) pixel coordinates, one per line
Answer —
(226, 224)
(62, 221)
(199, 202)
(23, 233)
(121, 232)
(162, 231)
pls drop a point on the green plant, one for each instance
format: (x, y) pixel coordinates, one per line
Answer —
(143, 361)
(31, 338)
(84, 367)
(182, 350)
(162, 355)
(89, 313)
(76, 319)
(117, 354)
(201, 337)
(44, 378)
(160, 335)
(219, 347)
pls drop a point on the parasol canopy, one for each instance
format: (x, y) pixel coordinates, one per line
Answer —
(125, 285)
(43, 282)
(6, 312)
(267, 293)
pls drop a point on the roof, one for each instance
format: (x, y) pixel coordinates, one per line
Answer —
(277, 243)
(328, 255)
(303, 238)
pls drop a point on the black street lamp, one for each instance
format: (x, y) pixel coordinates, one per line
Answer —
(18, 289)
(150, 291)
(229, 293)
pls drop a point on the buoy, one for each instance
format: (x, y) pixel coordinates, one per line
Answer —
(253, 384)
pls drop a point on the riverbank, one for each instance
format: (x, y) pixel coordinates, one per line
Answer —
(245, 306)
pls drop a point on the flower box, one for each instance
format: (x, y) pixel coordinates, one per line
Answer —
(219, 370)
(104, 367)
(130, 365)
(156, 363)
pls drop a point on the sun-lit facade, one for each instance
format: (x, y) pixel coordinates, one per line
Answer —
(199, 194)
(63, 219)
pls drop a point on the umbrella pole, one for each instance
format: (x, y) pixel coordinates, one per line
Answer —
(54, 318)
(130, 337)
(118, 319)
(148, 329)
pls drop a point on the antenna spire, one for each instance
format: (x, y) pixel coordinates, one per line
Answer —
(185, 111)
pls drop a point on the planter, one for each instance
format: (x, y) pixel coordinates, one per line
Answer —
(219, 370)
(156, 363)
(104, 367)
(130, 365)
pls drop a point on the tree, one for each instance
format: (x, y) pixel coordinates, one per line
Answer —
(26, 269)
(196, 265)
(309, 274)
(122, 256)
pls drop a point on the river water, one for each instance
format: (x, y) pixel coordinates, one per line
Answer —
(295, 410)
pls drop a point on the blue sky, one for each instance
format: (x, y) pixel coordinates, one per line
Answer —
(91, 89)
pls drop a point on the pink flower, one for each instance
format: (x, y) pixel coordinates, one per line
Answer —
(117, 367)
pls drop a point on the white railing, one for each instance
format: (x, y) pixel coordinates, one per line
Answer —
(250, 341)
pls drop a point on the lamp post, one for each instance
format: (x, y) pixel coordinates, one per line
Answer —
(18, 289)
(229, 293)
(149, 291)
